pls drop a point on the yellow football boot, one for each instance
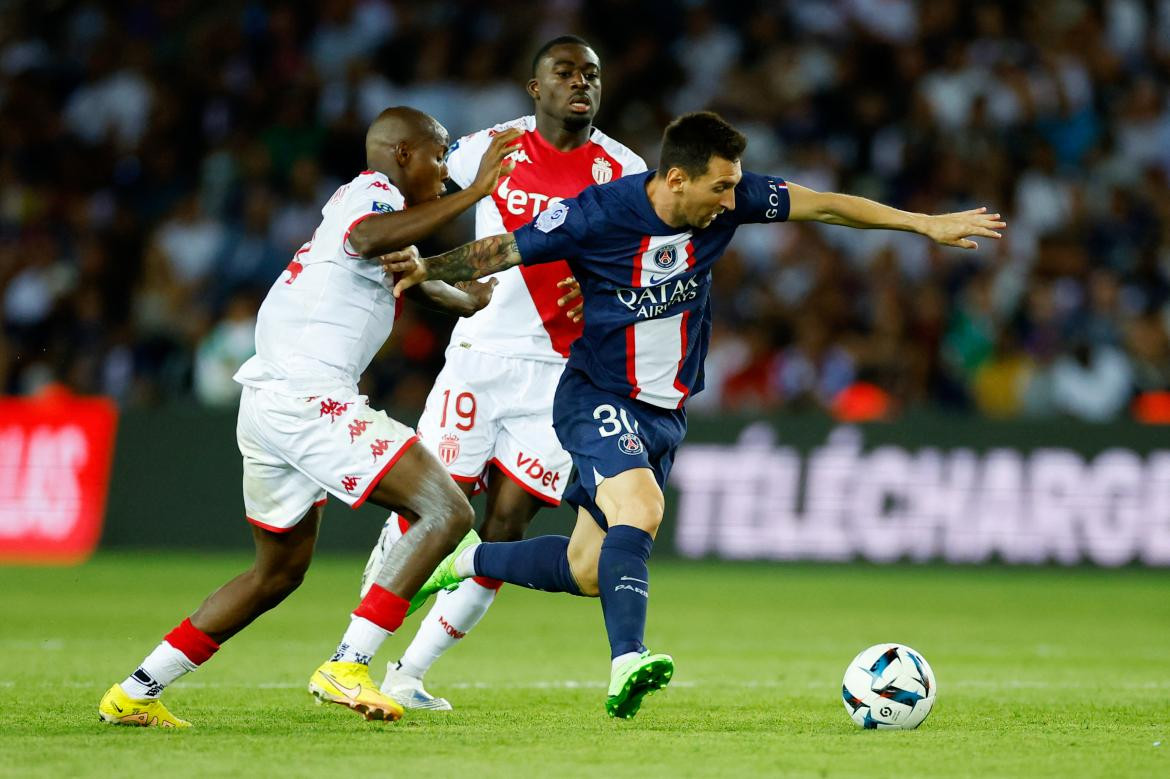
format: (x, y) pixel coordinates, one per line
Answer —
(350, 685)
(118, 708)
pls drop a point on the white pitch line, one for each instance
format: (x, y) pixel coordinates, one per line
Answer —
(594, 684)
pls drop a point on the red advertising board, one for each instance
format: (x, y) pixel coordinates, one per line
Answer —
(55, 453)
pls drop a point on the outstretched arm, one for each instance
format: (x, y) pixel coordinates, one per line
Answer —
(470, 261)
(382, 233)
(463, 300)
(834, 208)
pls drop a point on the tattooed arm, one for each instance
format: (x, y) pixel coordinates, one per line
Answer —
(470, 261)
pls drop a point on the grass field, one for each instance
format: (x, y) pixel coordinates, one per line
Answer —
(1041, 673)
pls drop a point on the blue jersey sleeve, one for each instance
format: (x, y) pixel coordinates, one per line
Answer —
(556, 234)
(760, 199)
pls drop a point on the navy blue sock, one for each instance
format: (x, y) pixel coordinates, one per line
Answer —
(624, 582)
(540, 563)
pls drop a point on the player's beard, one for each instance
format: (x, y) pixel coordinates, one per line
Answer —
(575, 122)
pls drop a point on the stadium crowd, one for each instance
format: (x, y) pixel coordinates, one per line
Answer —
(161, 161)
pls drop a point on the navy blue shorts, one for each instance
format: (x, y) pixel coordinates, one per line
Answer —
(608, 434)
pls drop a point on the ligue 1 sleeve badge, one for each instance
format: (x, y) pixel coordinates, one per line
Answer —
(552, 218)
(630, 444)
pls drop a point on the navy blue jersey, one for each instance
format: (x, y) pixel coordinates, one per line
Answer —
(646, 284)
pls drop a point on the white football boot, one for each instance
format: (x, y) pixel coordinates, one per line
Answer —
(409, 692)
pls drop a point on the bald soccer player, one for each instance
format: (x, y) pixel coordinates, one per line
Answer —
(305, 432)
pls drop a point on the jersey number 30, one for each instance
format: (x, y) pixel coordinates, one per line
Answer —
(613, 420)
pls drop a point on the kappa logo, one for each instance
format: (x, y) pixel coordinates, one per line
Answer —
(356, 428)
(518, 156)
(380, 185)
(448, 449)
(630, 444)
(349, 483)
(333, 409)
(379, 447)
(602, 170)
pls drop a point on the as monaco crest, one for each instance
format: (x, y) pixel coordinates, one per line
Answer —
(602, 170)
(449, 448)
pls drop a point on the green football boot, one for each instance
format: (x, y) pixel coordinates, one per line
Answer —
(443, 577)
(636, 679)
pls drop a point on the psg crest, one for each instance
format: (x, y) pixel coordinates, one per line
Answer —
(602, 170)
(449, 448)
(630, 444)
(664, 258)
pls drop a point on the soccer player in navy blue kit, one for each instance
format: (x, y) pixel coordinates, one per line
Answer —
(642, 249)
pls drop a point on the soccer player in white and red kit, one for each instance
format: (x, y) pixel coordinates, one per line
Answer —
(305, 432)
(489, 416)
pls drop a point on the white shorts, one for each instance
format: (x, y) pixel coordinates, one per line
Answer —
(298, 449)
(486, 409)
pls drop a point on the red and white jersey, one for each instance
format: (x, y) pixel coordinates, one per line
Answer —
(331, 310)
(523, 319)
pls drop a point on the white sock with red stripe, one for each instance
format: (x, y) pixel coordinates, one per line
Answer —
(378, 615)
(449, 620)
(361, 640)
(182, 650)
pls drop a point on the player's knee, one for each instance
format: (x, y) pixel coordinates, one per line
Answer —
(583, 565)
(641, 511)
(458, 517)
(589, 587)
(505, 525)
(278, 585)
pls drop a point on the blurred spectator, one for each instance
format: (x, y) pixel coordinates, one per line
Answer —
(221, 352)
(1091, 382)
(1149, 349)
(249, 258)
(813, 369)
(190, 241)
(1001, 381)
(299, 214)
(114, 102)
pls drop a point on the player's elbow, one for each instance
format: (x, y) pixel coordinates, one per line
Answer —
(364, 241)
(374, 236)
(809, 205)
(359, 238)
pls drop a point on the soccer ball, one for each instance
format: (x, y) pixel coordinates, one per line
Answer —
(889, 686)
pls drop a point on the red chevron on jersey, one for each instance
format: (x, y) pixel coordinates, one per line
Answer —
(544, 176)
(523, 318)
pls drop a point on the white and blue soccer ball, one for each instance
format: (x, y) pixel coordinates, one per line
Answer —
(889, 686)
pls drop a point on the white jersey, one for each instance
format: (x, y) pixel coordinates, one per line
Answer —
(331, 310)
(523, 319)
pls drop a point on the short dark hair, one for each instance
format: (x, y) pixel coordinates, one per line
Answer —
(557, 41)
(691, 140)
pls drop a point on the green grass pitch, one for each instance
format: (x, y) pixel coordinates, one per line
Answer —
(1041, 673)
